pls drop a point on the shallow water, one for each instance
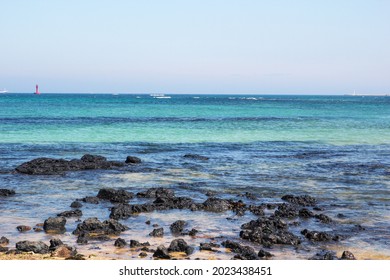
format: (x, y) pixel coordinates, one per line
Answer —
(336, 149)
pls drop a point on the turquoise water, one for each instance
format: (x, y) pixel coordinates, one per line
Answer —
(335, 148)
(192, 119)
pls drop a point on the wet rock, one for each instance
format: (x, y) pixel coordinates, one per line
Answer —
(156, 192)
(193, 232)
(93, 225)
(245, 252)
(50, 166)
(178, 227)
(319, 236)
(179, 245)
(341, 216)
(64, 251)
(135, 243)
(305, 213)
(268, 231)
(157, 232)
(23, 228)
(323, 218)
(143, 255)
(347, 255)
(161, 253)
(76, 204)
(148, 222)
(324, 255)
(113, 195)
(37, 229)
(72, 213)
(209, 246)
(120, 243)
(302, 200)
(3, 249)
(91, 199)
(214, 204)
(77, 257)
(286, 210)
(4, 241)
(264, 254)
(54, 225)
(257, 210)
(195, 156)
(318, 208)
(249, 195)
(54, 243)
(124, 211)
(5, 192)
(133, 160)
(83, 238)
(32, 246)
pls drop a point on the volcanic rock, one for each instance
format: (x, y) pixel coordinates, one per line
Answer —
(113, 195)
(55, 225)
(32, 246)
(179, 245)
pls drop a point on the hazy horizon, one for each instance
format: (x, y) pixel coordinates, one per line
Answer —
(196, 47)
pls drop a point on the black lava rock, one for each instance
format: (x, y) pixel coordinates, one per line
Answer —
(209, 246)
(157, 232)
(50, 166)
(161, 253)
(245, 252)
(264, 254)
(133, 160)
(319, 236)
(4, 241)
(178, 227)
(347, 255)
(55, 225)
(196, 157)
(120, 243)
(179, 245)
(93, 225)
(5, 192)
(31, 246)
(135, 243)
(302, 200)
(76, 204)
(268, 231)
(73, 213)
(113, 195)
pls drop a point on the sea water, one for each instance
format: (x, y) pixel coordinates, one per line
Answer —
(335, 148)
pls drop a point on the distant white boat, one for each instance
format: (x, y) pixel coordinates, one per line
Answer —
(3, 91)
(159, 95)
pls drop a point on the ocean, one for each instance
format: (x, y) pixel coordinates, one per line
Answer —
(334, 148)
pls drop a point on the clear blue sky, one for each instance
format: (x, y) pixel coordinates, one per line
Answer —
(196, 46)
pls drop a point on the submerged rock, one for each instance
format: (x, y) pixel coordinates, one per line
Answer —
(302, 200)
(91, 199)
(38, 247)
(179, 245)
(50, 166)
(5, 192)
(195, 156)
(113, 195)
(156, 193)
(133, 160)
(72, 213)
(76, 204)
(55, 225)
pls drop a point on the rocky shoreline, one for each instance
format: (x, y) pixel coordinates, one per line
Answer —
(271, 227)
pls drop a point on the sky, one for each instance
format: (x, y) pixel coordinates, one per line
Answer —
(196, 46)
